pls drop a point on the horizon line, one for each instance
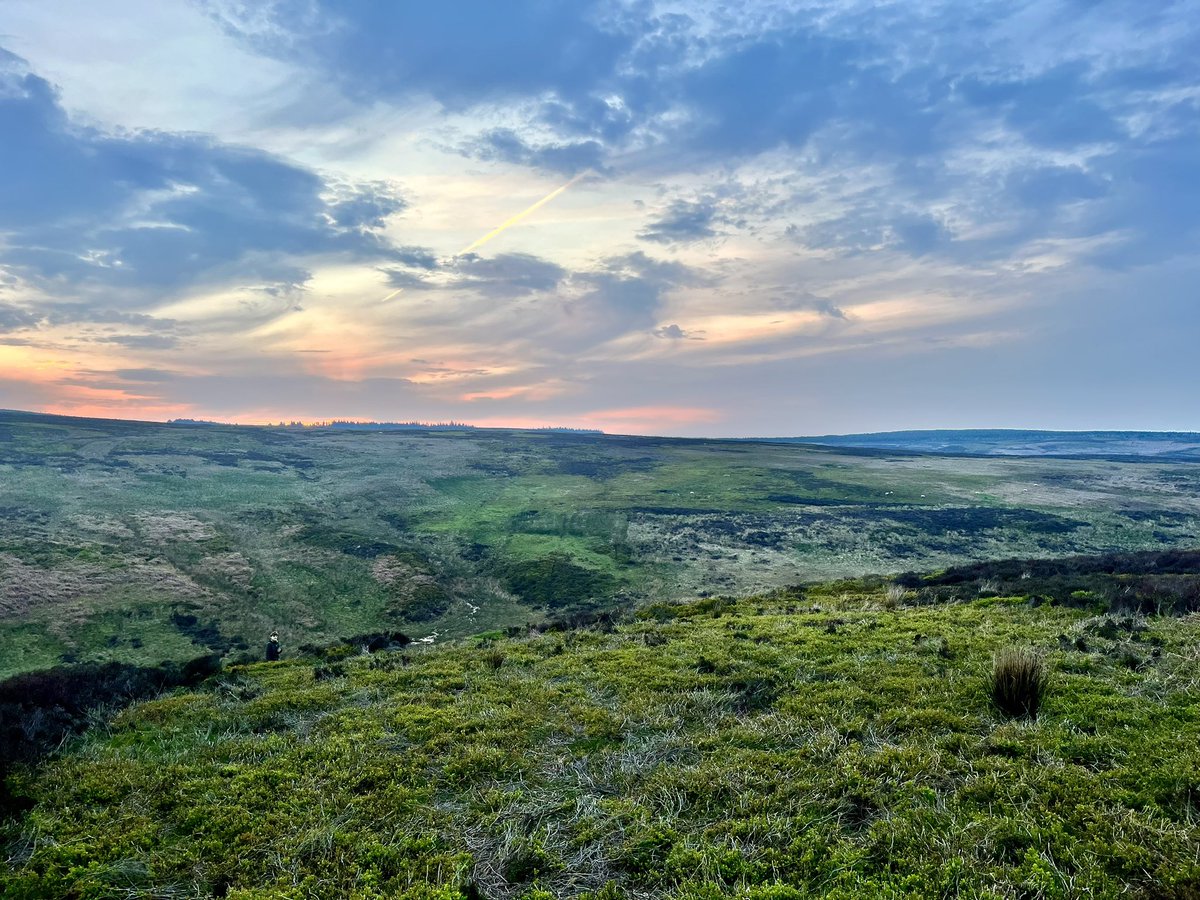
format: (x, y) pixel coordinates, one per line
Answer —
(452, 424)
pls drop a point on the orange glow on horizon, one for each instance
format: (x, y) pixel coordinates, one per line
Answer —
(632, 420)
(643, 420)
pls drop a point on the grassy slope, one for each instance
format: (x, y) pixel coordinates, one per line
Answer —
(141, 542)
(785, 746)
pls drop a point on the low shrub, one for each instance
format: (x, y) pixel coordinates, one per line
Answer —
(324, 673)
(555, 581)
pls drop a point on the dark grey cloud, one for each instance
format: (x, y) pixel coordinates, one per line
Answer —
(638, 265)
(145, 212)
(684, 221)
(64, 313)
(415, 258)
(14, 317)
(558, 310)
(624, 293)
(1056, 108)
(463, 54)
(409, 279)
(366, 206)
(868, 228)
(673, 332)
(791, 299)
(505, 145)
(597, 119)
(506, 275)
(27, 316)
(510, 274)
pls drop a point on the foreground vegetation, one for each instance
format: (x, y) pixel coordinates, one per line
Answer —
(135, 542)
(839, 740)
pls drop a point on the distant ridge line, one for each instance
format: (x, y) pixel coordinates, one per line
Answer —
(999, 442)
(977, 442)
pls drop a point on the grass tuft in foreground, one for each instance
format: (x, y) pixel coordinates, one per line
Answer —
(1018, 681)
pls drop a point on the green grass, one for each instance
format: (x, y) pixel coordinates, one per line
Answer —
(798, 744)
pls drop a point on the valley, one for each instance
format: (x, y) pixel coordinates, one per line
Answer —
(141, 542)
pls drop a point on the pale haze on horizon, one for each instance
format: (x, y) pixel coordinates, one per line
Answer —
(767, 218)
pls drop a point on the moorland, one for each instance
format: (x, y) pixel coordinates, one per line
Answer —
(143, 542)
(836, 740)
(546, 664)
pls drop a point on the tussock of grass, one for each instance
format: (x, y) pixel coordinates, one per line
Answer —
(893, 596)
(493, 658)
(1018, 681)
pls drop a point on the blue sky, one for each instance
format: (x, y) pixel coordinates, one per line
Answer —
(760, 218)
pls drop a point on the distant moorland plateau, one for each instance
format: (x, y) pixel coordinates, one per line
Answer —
(1181, 445)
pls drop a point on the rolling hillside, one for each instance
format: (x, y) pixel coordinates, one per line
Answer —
(140, 542)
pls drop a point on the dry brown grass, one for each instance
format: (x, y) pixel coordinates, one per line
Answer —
(893, 596)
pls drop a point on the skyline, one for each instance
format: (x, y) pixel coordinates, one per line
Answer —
(642, 217)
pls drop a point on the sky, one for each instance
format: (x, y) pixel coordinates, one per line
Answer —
(643, 216)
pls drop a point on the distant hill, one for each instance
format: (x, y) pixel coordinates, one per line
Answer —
(1179, 445)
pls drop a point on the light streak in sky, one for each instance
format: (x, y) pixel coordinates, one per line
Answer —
(508, 223)
(499, 229)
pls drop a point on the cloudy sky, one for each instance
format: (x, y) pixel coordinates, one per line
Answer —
(759, 218)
